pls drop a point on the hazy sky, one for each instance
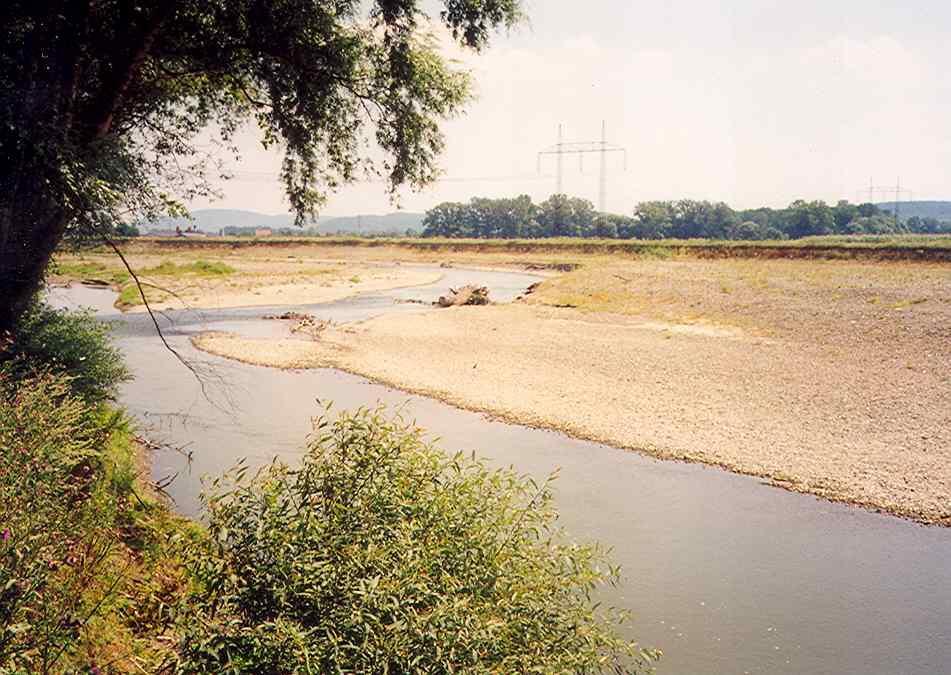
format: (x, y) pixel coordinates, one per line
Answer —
(747, 101)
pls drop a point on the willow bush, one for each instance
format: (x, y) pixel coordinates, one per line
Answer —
(71, 343)
(382, 554)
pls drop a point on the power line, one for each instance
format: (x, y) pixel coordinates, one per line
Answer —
(267, 176)
(887, 191)
(581, 148)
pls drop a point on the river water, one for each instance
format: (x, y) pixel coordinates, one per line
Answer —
(723, 573)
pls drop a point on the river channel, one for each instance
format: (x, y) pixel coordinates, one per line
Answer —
(724, 573)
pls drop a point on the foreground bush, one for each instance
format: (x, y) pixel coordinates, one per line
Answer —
(381, 554)
(72, 343)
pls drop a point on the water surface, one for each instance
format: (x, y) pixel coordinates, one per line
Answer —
(722, 572)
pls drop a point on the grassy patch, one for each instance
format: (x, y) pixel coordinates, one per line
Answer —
(129, 295)
(905, 304)
(144, 582)
(88, 269)
(202, 268)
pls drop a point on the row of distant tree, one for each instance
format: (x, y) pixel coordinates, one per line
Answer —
(235, 231)
(564, 216)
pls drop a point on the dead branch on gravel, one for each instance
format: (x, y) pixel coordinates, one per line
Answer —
(467, 295)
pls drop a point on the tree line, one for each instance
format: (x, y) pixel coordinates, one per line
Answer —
(564, 216)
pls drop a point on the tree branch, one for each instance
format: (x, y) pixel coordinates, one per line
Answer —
(158, 329)
(115, 87)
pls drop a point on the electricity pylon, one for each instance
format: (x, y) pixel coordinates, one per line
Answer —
(582, 148)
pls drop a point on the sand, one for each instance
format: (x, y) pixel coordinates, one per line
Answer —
(860, 418)
(263, 291)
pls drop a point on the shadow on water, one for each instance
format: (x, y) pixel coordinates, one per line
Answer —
(725, 574)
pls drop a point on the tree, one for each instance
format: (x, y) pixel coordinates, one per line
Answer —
(750, 230)
(844, 213)
(103, 101)
(605, 227)
(564, 216)
(449, 219)
(513, 217)
(652, 220)
(806, 219)
(127, 230)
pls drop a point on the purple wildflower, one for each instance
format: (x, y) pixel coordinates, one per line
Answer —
(5, 537)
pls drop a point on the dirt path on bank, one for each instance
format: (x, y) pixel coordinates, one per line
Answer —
(833, 380)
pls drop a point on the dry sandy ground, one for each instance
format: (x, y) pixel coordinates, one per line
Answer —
(830, 378)
(256, 278)
(270, 290)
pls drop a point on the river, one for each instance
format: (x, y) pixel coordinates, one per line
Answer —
(724, 573)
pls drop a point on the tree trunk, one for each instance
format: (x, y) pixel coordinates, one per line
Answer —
(29, 233)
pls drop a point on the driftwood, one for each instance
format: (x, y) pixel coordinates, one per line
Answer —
(288, 316)
(310, 326)
(467, 295)
(304, 323)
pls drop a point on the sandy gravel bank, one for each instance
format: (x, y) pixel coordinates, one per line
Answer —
(860, 427)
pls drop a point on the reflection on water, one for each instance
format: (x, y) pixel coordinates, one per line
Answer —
(725, 574)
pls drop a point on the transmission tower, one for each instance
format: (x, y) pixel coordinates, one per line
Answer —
(582, 148)
(887, 191)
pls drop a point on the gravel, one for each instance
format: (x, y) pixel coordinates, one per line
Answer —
(833, 380)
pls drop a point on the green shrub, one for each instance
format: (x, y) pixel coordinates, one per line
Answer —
(70, 342)
(127, 230)
(381, 554)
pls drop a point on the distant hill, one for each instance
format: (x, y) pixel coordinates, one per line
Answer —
(214, 220)
(922, 209)
(399, 221)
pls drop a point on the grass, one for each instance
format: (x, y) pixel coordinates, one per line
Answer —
(146, 579)
(115, 273)
(201, 268)
(130, 296)
(911, 241)
(89, 551)
(85, 269)
(739, 293)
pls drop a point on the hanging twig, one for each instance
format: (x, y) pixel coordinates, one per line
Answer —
(140, 285)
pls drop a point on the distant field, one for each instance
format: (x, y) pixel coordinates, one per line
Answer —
(906, 247)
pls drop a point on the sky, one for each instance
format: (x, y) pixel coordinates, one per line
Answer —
(752, 102)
